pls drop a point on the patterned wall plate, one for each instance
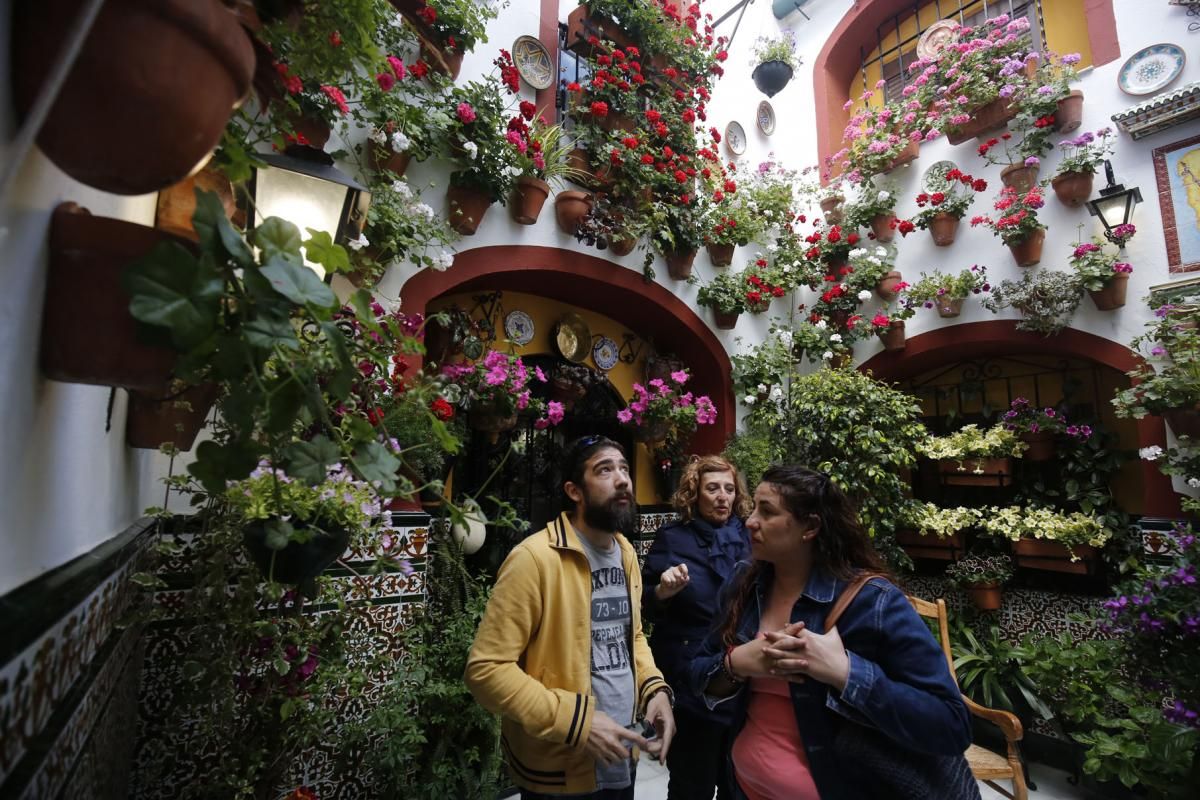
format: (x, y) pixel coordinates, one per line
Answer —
(934, 178)
(936, 37)
(518, 328)
(735, 138)
(533, 62)
(765, 118)
(1151, 69)
(606, 354)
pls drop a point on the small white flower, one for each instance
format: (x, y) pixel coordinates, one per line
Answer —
(472, 149)
(442, 262)
(772, 247)
(379, 136)
(425, 210)
(828, 354)
(359, 243)
(880, 251)
(1152, 453)
(820, 324)
(400, 142)
(785, 337)
(836, 338)
(776, 393)
(762, 387)
(1194, 483)
(857, 252)
(749, 399)
(883, 196)
(401, 188)
(864, 295)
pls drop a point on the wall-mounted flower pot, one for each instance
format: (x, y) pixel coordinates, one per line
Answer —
(567, 391)
(661, 366)
(149, 96)
(615, 121)
(948, 307)
(976, 472)
(88, 334)
(1042, 446)
(580, 160)
(771, 76)
(1112, 296)
(919, 545)
(1069, 114)
(571, 208)
(1028, 251)
(157, 418)
(382, 156)
(622, 247)
(1054, 557)
(297, 562)
(892, 336)
(1020, 177)
(177, 204)
(485, 418)
(1184, 421)
(986, 596)
(905, 156)
(725, 322)
(887, 287)
(943, 228)
(832, 208)
(679, 263)
(884, 227)
(447, 62)
(841, 359)
(1073, 188)
(468, 206)
(582, 25)
(652, 432)
(988, 117)
(721, 255)
(528, 197)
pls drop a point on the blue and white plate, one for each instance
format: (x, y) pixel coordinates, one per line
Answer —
(606, 353)
(518, 328)
(1151, 69)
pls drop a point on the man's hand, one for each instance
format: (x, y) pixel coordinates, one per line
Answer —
(609, 742)
(658, 714)
(672, 582)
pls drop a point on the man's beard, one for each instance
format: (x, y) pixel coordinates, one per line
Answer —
(611, 517)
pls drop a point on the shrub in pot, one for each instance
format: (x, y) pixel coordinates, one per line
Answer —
(983, 577)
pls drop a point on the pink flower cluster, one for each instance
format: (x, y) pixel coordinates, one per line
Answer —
(663, 403)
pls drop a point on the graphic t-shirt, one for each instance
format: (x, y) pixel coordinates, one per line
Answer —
(612, 670)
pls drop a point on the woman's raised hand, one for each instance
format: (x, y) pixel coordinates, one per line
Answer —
(672, 582)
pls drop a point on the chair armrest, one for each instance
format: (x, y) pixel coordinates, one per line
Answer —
(1005, 720)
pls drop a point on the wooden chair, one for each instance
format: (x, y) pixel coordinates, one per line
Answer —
(986, 765)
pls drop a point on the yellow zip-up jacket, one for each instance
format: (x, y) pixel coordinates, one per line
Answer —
(531, 660)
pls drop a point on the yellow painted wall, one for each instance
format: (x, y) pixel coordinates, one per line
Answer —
(545, 313)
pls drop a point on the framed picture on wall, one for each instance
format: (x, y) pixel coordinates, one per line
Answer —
(1177, 172)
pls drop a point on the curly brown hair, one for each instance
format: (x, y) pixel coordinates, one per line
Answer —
(688, 492)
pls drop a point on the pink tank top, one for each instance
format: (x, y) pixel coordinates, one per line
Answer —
(768, 754)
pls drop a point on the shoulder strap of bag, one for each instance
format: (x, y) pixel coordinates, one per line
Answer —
(846, 598)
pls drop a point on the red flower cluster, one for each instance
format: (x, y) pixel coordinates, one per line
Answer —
(508, 72)
(442, 409)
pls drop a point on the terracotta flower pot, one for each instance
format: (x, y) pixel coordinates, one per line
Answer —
(943, 228)
(1020, 177)
(679, 263)
(382, 156)
(1112, 296)
(832, 206)
(725, 322)
(567, 391)
(1042, 446)
(149, 96)
(1069, 113)
(841, 360)
(485, 418)
(884, 227)
(721, 255)
(948, 307)
(1073, 188)
(892, 337)
(988, 117)
(622, 247)
(177, 204)
(615, 121)
(1053, 557)
(580, 160)
(88, 334)
(467, 206)
(1028, 251)
(652, 432)
(155, 418)
(905, 156)
(986, 596)
(528, 197)
(570, 208)
(444, 61)
(582, 24)
(885, 287)
(1184, 421)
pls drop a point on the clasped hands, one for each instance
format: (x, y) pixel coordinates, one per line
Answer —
(794, 654)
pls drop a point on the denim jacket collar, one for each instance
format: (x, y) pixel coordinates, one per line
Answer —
(822, 586)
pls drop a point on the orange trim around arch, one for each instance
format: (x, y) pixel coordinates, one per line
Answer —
(647, 309)
(1000, 337)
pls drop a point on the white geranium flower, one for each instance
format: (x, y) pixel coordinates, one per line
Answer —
(359, 243)
(836, 338)
(772, 247)
(785, 337)
(1194, 483)
(379, 136)
(472, 149)
(749, 399)
(776, 393)
(762, 387)
(1152, 453)
(443, 261)
(865, 294)
(820, 324)
(857, 252)
(400, 142)
(828, 354)
(883, 196)
(881, 251)
(425, 210)
(401, 188)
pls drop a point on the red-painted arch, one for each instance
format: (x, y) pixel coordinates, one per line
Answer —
(1001, 338)
(647, 309)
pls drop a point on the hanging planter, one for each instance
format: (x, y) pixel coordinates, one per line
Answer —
(1028, 251)
(905, 156)
(1184, 421)
(1073, 188)
(948, 307)
(297, 562)
(622, 247)
(986, 596)
(468, 206)
(884, 227)
(652, 432)
(148, 98)
(570, 209)
(1021, 177)
(679, 263)
(725, 322)
(484, 417)
(887, 287)
(721, 255)
(154, 419)
(1042, 446)
(567, 391)
(771, 76)
(1112, 296)
(976, 472)
(528, 197)
(382, 156)
(832, 208)
(892, 336)
(1054, 557)
(88, 334)
(943, 228)
(582, 25)
(1069, 114)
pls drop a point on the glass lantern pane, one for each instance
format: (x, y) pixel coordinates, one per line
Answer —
(304, 201)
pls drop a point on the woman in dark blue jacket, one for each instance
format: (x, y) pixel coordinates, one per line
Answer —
(684, 571)
(866, 709)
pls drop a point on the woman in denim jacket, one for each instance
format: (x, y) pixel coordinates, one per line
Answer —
(867, 709)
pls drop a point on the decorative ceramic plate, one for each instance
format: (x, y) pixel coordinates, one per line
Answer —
(1151, 69)
(606, 354)
(936, 37)
(765, 118)
(518, 327)
(572, 337)
(934, 179)
(533, 62)
(735, 138)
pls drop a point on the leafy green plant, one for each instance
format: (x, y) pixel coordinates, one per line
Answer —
(969, 443)
(1096, 264)
(976, 570)
(777, 48)
(725, 293)
(992, 671)
(1172, 379)
(954, 287)
(929, 520)
(764, 368)
(1047, 300)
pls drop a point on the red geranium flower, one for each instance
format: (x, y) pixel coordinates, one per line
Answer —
(442, 409)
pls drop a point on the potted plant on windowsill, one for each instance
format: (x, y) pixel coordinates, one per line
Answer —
(775, 61)
(1017, 225)
(1038, 428)
(983, 577)
(1047, 300)
(947, 293)
(1104, 277)
(1076, 173)
(944, 206)
(988, 453)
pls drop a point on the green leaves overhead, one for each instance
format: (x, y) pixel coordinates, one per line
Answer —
(173, 289)
(309, 461)
(298, 283)
(320, 248)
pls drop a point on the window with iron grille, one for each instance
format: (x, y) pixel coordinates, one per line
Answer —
(896, 38)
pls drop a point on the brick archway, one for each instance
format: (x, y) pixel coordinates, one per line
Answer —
(647, 309)
(999, 338)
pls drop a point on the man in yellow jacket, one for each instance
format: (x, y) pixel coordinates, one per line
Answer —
(560, 653)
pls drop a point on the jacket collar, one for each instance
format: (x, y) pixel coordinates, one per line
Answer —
(821, 586)
(563, 536)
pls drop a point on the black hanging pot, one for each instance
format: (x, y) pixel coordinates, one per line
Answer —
(771, 76)
(297, 562)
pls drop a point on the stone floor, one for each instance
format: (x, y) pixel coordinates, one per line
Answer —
(1052, 784)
